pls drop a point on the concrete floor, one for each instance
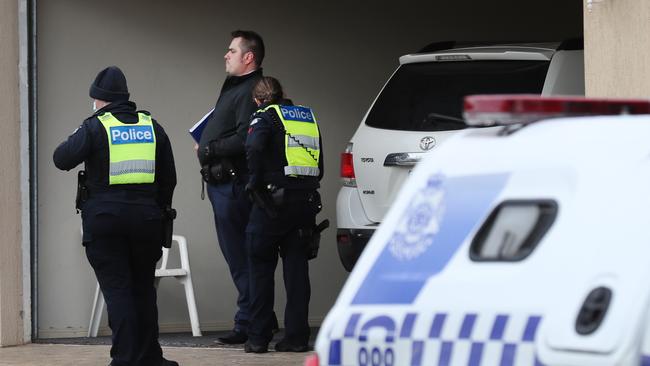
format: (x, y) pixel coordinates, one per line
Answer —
(97, 355)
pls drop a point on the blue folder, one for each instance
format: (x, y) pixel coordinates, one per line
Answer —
(198, 127)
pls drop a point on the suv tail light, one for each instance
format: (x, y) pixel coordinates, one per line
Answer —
(347, 167)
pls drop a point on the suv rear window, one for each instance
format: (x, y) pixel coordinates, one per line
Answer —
(428, 96)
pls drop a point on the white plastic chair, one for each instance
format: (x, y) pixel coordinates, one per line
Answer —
(183, 275)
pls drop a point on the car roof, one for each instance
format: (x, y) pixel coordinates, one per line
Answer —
(482, 53)
(491, 50)
(501, 47)
(567, 44)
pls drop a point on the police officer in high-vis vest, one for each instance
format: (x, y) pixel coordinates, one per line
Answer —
(284, 154)
(125, 200)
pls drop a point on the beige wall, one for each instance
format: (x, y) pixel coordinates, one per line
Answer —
(11, 282)
(617, 48)
(333, 56)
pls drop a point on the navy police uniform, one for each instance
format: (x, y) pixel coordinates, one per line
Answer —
(123, 223)
(286, 234)
(222, 147)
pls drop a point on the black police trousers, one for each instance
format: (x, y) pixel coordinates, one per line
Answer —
(123, 244)
(284, 236)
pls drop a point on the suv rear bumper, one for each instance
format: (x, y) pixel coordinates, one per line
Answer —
(354, 229)
(350, 244)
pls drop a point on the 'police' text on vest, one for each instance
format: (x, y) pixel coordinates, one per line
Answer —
(131, 135)
(296, 113)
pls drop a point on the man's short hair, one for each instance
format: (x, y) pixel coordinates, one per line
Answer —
(252, 42)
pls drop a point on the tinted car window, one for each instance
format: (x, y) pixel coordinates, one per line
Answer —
(429, 96)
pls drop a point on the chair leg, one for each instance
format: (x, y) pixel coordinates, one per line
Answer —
(191, 305)
(96, 313)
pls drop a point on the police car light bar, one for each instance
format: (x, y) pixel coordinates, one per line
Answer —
(502, 110)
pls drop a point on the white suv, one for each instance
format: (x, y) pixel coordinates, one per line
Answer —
(420, 106)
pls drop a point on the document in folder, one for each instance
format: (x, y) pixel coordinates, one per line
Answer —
(198, 127)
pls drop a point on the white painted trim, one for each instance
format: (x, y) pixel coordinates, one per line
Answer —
(23, 74)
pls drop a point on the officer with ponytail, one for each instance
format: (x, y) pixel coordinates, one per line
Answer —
(125, 200)
(284, 155)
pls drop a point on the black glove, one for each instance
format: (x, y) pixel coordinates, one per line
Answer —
(208, 151)
(261, 197)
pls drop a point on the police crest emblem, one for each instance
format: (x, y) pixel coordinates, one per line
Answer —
(416, 231)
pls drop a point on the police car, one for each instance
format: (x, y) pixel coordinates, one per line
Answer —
(527, 243)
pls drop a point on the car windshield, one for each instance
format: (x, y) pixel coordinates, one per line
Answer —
(429, 96)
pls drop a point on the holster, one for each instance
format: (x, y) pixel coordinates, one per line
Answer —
(169, 215)
(314, 243)
(82, 190)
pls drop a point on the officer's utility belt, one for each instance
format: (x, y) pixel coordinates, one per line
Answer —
(217, 172)
(84, 194)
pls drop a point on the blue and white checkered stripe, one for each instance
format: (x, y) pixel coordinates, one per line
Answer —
(500, 339)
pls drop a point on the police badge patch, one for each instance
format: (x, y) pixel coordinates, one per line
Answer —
(416, 231)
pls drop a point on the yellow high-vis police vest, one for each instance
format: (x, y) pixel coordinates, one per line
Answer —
(301, 140)
(131, 150)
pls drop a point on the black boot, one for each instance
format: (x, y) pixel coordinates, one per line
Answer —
(255, 348)
(234, 337)
(286, 346)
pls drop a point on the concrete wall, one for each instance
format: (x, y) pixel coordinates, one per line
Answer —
(617, 48)
(11, 271)
(333, 56)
